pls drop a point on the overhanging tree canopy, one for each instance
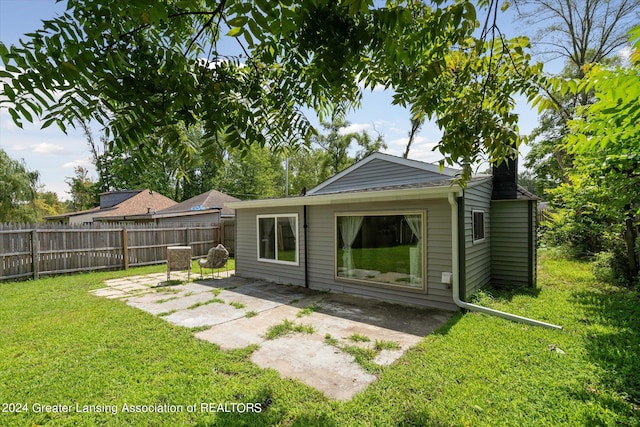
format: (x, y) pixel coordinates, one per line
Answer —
(139, 66)
(602, 200)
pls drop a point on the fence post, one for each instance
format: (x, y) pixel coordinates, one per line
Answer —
(188, 239)
(125, 249)
(35, 262)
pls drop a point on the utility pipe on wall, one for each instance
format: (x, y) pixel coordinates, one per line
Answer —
(306, 248)
(456, 284)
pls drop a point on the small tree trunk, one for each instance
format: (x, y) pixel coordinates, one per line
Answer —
(563, 166)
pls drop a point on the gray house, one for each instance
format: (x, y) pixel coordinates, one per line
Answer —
(394, 229)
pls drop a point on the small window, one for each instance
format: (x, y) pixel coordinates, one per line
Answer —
(478, 225)
(278, 238)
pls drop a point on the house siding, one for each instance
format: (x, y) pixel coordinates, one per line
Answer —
(533, 243)
(83, 218)
(321, 252)
(438, 253)
(477, 255)
(212, 218)
(379, 173)
(513, 242)
(247, 264)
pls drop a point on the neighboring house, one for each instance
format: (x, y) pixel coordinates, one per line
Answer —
(205, 208)
(119, 206)
(80, 217)
(395, 229)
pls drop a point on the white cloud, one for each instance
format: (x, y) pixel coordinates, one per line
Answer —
(47, 148)
(60, 188)
(85, 163)
(421, 148)
(354, 128)
(384, 123)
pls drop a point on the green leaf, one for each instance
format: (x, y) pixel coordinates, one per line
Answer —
(16, 117)
(238, 21)
(264, 5)
(8, 91)
(235, 32)
(260, 19)
(4, 53)
(12, 69)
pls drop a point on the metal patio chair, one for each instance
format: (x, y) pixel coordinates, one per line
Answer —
(216, 258)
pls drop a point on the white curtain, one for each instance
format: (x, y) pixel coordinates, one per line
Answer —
(349, 228)
(267, 225)
(293, 225)
(415, 224)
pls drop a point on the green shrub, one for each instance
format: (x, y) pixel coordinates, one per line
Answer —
(601, 265)
(577, 235)
(612, 266)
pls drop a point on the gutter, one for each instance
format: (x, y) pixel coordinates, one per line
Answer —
(456, 284)
(306, 246)
(392, 195)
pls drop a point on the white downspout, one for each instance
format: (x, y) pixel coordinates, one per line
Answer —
(456, 280)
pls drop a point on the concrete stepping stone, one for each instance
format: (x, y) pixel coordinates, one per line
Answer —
(307, 359)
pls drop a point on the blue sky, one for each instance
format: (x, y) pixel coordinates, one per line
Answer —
(55, 154)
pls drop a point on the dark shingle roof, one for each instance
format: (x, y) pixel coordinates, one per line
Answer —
(210, 199)
(426, 184)
(526, 195)
(143, 202)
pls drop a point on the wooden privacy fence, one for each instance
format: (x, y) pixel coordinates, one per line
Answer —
(43, 249)
(228, 230)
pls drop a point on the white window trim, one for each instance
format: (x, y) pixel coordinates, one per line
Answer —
(484, 226)
(372, 283)
(275, 217)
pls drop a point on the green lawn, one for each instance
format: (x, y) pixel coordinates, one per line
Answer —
(59, 345)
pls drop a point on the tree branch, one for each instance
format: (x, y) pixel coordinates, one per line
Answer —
(218, 11)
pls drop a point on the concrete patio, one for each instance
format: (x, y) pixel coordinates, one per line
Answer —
(233, 313)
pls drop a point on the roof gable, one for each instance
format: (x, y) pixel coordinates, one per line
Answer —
(382, 170)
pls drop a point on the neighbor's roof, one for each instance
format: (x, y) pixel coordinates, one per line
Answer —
(70, 214)
(138, 204)
(212, 199)
(143, 202)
